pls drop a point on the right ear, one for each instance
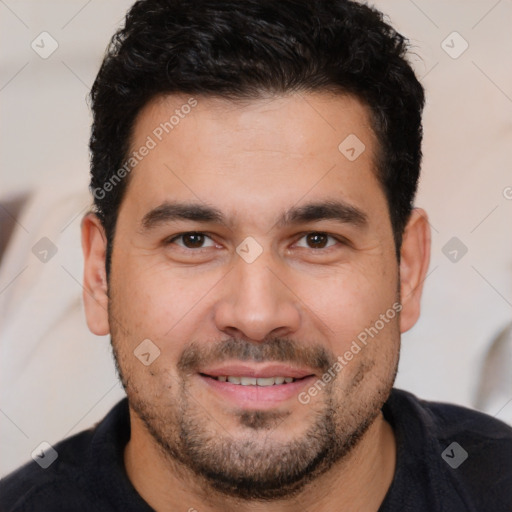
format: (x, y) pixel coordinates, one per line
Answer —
(95, 294)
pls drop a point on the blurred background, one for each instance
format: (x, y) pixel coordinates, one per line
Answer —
(57, 379)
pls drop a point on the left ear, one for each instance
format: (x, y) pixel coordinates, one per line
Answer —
(414, 261)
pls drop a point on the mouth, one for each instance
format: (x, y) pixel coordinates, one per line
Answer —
(261, 387)
(244, 380)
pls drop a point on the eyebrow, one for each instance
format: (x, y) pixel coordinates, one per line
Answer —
(325, 210)
(311, 212)
(168, 212)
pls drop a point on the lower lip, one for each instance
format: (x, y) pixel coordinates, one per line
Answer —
(257, 397)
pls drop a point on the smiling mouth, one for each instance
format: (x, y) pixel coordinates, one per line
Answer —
(255, 381)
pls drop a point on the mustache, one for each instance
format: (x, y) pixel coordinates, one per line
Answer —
(196, 356)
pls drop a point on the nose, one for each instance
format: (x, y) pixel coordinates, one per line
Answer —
(255, 303)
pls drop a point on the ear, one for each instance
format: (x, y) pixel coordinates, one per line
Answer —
(414, 261)
(95, 294)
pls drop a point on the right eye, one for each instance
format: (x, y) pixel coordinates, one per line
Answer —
(192, 240)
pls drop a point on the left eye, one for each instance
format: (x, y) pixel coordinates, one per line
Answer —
(316, 240)
(193, 240)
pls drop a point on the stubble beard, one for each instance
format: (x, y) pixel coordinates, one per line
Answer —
(255, 466)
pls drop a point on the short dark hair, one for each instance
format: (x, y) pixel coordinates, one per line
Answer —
(243, 49)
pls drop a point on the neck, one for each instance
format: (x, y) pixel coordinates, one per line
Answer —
(357, 483)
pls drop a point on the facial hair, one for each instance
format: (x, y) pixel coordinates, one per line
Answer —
(255, 466)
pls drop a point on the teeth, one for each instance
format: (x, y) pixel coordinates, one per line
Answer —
(253, 381)
(262, 381)
(248, 381)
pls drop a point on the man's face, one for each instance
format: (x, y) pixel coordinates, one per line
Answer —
(249, 246)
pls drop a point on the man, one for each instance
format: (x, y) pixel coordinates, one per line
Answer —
(254, 255)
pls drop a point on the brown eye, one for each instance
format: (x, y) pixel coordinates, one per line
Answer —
(317, 240)
(193, 240)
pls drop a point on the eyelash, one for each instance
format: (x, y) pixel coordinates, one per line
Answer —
(338, 239)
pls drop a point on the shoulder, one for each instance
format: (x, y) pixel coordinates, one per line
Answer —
(78, 477)
(448, 416)
(60, 485)
(471, 450)
(447, 421)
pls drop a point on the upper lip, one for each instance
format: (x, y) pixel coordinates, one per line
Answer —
(261, 371)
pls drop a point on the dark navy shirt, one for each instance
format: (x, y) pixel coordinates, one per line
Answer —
(449, 459)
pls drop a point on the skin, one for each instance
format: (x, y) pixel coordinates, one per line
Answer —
(254, 160)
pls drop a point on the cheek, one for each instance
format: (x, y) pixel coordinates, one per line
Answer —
(157, 303)
(349, 300)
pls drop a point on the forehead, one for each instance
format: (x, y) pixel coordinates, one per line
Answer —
(252, 154)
